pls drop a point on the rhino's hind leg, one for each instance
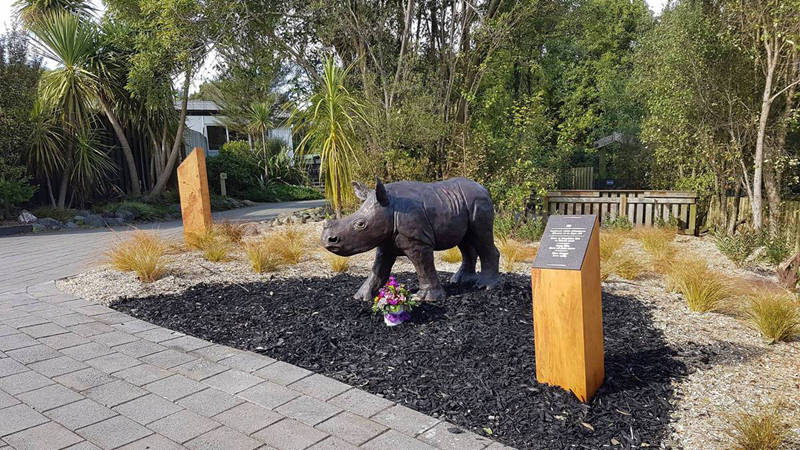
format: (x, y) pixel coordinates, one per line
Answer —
(482, 239)
(466, 273)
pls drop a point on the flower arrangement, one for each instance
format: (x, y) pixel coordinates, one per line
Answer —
(394, 301)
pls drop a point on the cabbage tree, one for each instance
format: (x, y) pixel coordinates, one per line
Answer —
(329, 122)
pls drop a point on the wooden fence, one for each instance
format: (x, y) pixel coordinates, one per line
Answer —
(642, 208)
(790, 216)
(581, 177)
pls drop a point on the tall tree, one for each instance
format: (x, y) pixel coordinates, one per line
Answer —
(769, 31)
(81, 79)
(329, 122)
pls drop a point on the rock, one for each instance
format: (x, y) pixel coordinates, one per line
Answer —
(70, 225)
(26, 217)
(248, 203)
(125, 215)
(50, 223)
(83, 212)
(789, 272)
(115, 221)
(93, 220)
(80, 219)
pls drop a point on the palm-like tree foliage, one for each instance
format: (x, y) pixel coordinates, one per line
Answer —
(32, 10)
(329, 124)
(85, 78)
(91, 164)
(46, 141)
(72, 87)
(259, 122)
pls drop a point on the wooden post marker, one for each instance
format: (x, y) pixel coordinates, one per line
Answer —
(193, 190)
(567, 309)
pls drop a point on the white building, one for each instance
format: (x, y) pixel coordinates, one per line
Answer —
(205, 128)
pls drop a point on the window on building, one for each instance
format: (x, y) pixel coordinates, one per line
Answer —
(217, 136)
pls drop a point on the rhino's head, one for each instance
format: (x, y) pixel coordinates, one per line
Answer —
(364, 229)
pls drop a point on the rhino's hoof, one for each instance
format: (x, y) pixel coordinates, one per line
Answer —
(431, 294)
(488, 281)
(364, 295)
(464, 278)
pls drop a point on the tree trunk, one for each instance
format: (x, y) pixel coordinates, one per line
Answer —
(62, 188)
(734, 218)
(50, 192)
(758, 159)
(772, 177)
(176, 144)
(136, 189)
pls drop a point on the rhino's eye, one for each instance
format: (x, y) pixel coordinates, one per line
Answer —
(360, 224)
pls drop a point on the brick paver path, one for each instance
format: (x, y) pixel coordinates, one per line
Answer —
(74, 374)
(29, 259)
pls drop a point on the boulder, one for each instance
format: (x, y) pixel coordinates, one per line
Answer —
(115, 221)
(125, 215)
(246, 202)
(789, 272)
(70, 225)
(26, 217)
(37, 227)
(79, 219)
(50, 223)
(93, 220)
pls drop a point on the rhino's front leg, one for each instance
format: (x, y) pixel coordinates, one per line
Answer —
(430, 289)
(381, 269)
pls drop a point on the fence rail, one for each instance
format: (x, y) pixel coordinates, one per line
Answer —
(642, 208)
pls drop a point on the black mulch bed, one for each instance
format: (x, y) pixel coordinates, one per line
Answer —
(468, 359)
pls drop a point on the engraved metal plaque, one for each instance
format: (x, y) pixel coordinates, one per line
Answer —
(564, 242)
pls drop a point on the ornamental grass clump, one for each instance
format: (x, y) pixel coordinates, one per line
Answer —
(704, 289)
(451, 255)
(657, 242)
(776, 316)
(291, 244)
(232, 231)
(262, 255)
(610, 242)
(143, 254)
(213, 244)
(511, 253)
(339, 264)
(623, 264)
(763, 430)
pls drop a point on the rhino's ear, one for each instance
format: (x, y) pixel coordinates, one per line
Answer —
(362, 191)
(380, 193)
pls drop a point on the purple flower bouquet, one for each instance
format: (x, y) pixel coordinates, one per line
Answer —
(394, 301)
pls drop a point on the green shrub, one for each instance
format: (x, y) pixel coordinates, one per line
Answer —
(241, 165)
(140, 210)
(776, 249)
(618, 223)
(63, 215)
(741, 245)
(279, 192)
(737, 247)
(220, 203)
(12, 194)
(506, 225)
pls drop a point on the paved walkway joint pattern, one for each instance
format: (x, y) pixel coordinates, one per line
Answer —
(78, 375)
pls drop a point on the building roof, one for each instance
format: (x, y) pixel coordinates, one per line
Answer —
(199, 105)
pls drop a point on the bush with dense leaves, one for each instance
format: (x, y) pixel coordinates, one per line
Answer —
(238, 162)
(13, 192)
